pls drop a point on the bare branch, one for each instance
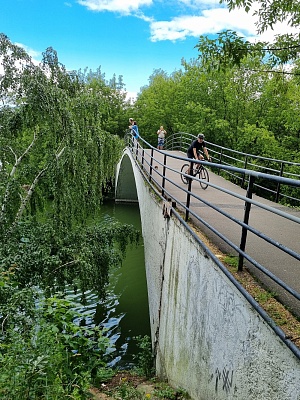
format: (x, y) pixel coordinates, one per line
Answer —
(3, 323)
(65, 265)
(29, 189)
(28, 196)
(13, 171)
(58, 155)
(18, 160)
(16, 157)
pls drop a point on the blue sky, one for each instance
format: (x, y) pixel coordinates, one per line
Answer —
(124, 37)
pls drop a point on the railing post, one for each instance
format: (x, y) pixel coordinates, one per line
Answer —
(136, 148)
(143, 157)
(220, 160)
(164, 174)
(151, 165)
(188, 197)
(130, 143)
(245, 167)
(246, 220)
(278, 184)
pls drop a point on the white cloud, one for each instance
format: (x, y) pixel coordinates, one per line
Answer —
(205, 17)
(35, 57)
(280, 28)
(210, 22)
(198, 4)
(32, 53)
(131, 97)
(213, 21)
(120, 6)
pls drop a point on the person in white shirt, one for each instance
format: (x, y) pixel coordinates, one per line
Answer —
(161, 138)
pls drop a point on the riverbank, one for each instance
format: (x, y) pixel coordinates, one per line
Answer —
(126, 385)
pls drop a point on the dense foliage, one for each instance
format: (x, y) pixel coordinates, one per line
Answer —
(60, 140)
(248, 106)
(46, 354)
(55, 134)
(285, 48)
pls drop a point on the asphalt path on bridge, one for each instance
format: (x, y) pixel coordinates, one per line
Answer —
(279, 229)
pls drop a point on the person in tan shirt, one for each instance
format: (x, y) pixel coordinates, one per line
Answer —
(161, 137)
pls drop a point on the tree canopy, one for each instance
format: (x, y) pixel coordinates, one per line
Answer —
(60, 141)
(285, 47)
(246, 104)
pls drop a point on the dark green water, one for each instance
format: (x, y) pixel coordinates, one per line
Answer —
(124, 312)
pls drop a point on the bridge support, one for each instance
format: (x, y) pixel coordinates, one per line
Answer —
(125, 187)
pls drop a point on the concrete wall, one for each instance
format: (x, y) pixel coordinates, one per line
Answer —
(208, 339)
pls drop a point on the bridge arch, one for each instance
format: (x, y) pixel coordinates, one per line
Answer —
(125, 187)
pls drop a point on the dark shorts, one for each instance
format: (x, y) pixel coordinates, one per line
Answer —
(190, 155)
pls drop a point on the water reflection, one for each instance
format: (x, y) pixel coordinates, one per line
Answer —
(124, 312)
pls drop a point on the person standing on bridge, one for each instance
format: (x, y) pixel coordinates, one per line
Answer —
(161, 138)
(195, 148)
(134, 128)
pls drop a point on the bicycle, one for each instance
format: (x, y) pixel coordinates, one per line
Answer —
(197, 170)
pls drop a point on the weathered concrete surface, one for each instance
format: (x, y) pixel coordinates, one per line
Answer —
(209, 339)
(279, 229)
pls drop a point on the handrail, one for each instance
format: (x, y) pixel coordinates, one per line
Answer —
(148, 158)
(225, 156)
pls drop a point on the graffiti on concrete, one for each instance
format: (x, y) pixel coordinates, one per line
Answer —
(224, 378)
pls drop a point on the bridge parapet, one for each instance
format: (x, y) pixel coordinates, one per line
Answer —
(210, 337)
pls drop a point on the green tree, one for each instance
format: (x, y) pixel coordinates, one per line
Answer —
(152, 106)
(286, 46)
(53, 143)
(56, 159)
(111, 95)
(225, 51)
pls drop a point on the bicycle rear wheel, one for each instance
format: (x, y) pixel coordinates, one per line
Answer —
(185, 170)
(203, 175)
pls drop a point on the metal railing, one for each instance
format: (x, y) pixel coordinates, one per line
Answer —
(166, 180)
(221, 155)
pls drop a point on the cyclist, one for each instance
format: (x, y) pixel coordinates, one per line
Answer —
(195, 147)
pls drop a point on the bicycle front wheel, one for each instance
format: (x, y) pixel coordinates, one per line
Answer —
(203, 175)
(185, 170)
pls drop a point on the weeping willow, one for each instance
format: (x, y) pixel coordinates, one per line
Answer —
(56, 159)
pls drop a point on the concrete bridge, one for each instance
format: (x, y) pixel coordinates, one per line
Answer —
(209, 335)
